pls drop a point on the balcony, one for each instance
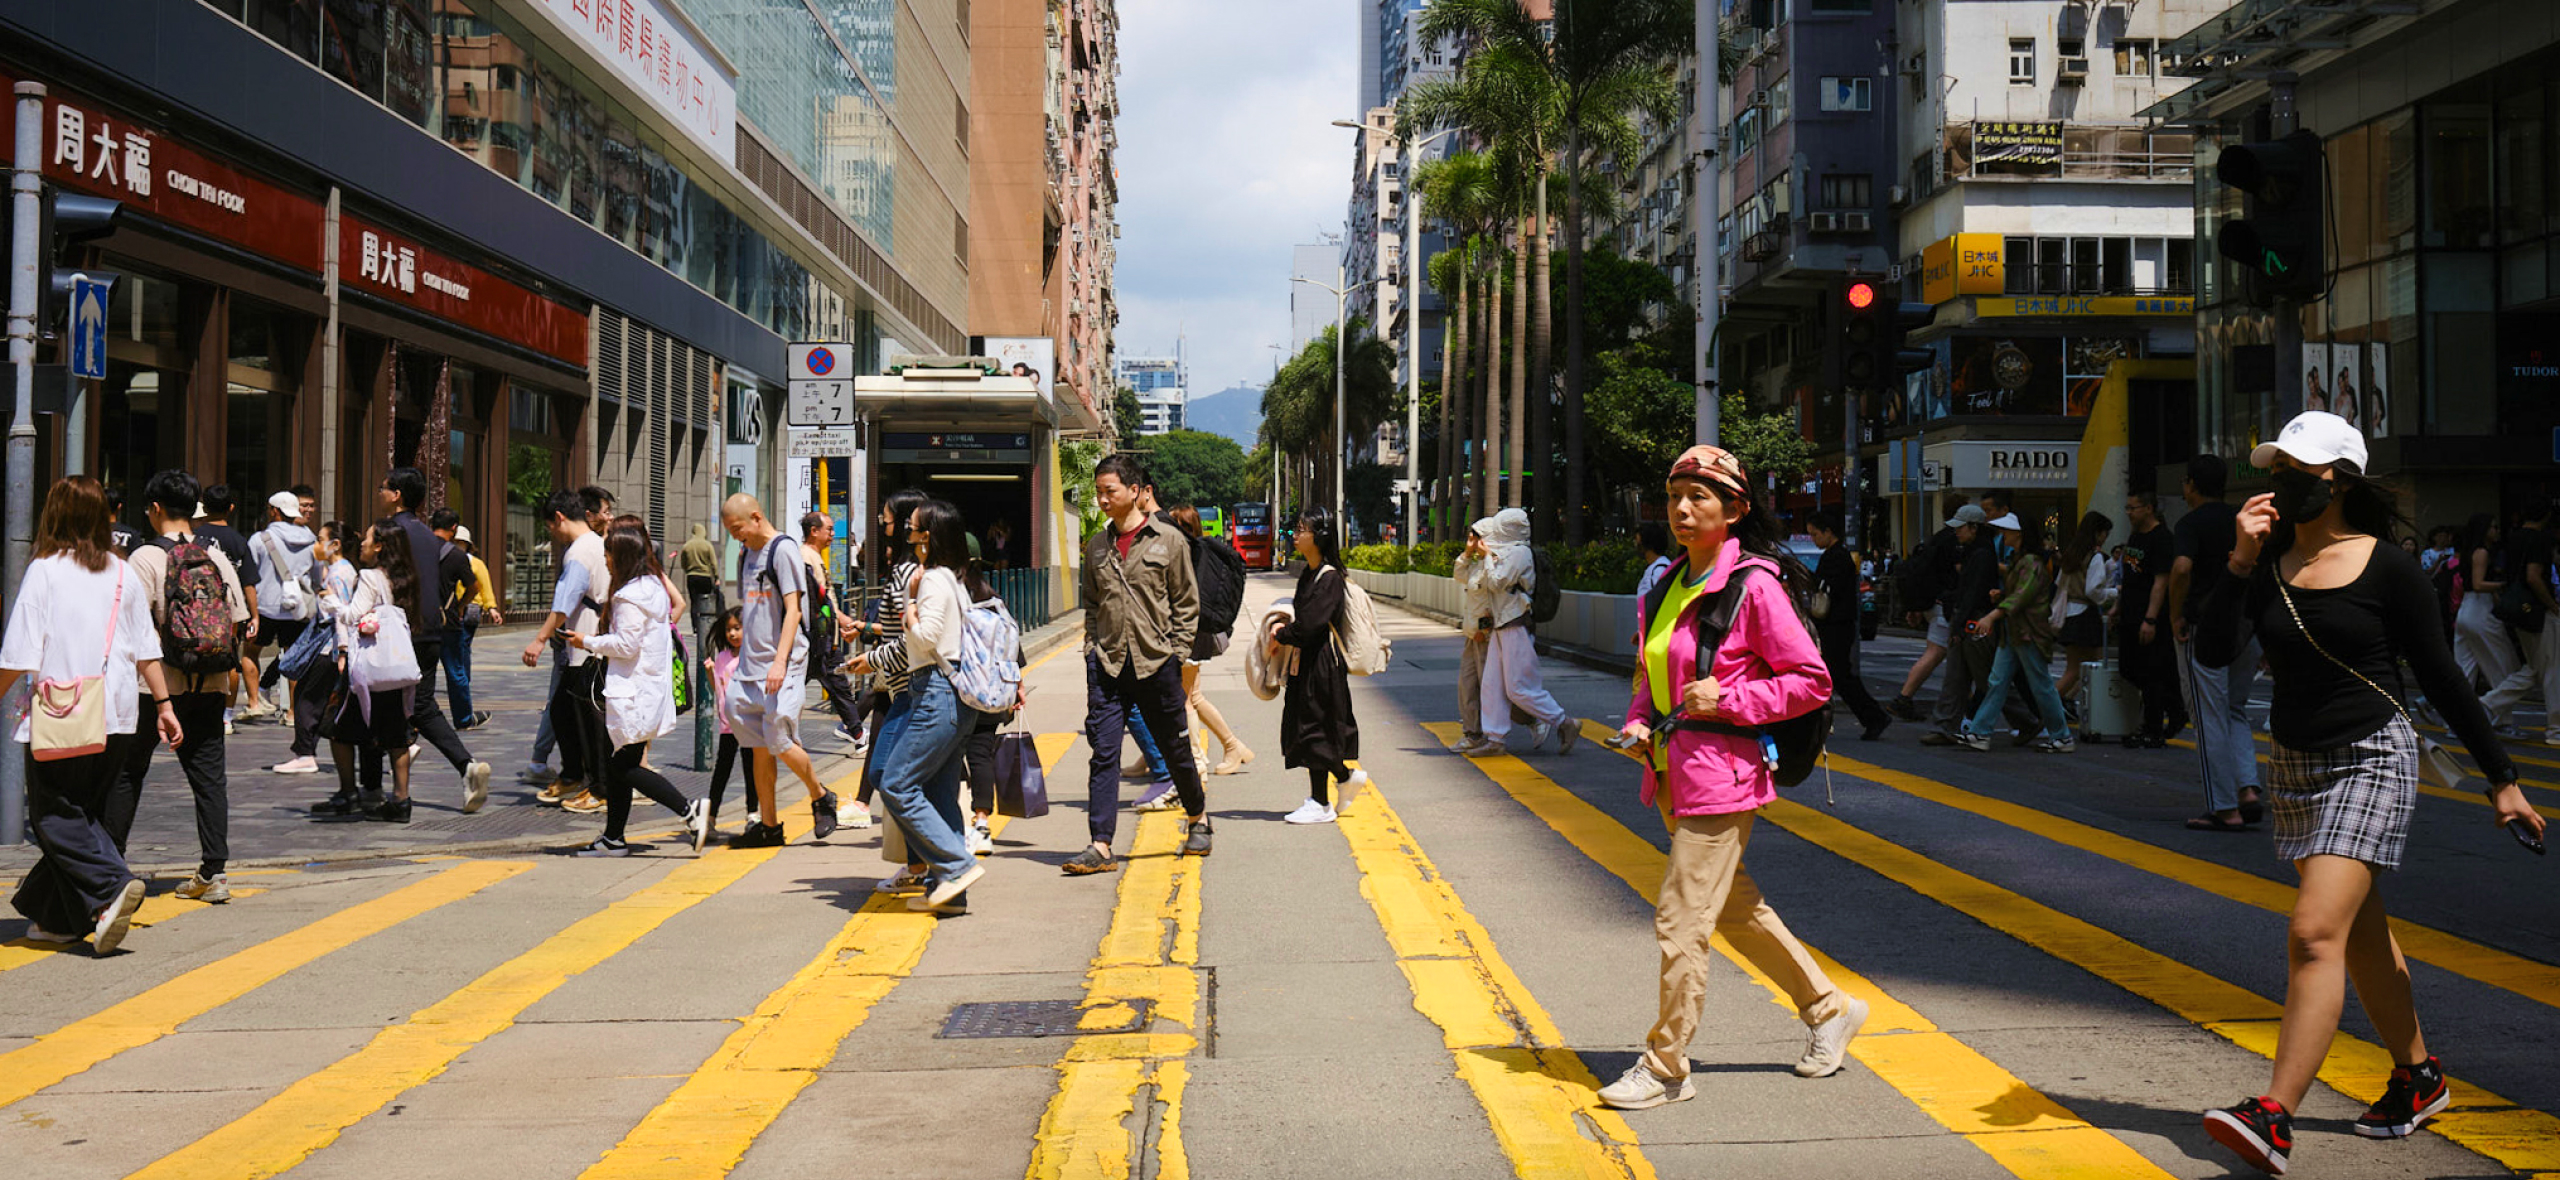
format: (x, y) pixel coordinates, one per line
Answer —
(1991, 150)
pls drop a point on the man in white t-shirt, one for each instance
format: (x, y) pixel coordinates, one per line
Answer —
(764, 699)
(198, 697)
(577, 602)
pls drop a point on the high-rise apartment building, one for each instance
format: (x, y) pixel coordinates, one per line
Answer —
(1163, 386)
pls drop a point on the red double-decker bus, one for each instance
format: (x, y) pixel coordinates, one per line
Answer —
(1249, 530)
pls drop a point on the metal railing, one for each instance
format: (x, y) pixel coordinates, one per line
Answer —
(1025, 593)
(2088, 153)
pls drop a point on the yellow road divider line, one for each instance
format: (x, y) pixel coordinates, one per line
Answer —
(2539, 982)
(311, 1113)
(2018, 1126)
(1147, 966)
(157, 908)
(705, 1128)
(1542, 1101)
(82, 1044)
(2454, 744)
(2474, 798)
(2520, 1138)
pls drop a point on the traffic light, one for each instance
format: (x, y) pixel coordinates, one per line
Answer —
(68, 218)
(2281, 240)
(1871, 355)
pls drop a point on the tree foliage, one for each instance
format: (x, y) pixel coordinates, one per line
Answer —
(1125, 417)
(1196, 468)
(1769, 445)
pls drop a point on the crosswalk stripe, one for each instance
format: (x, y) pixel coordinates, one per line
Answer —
(2019, 1127)
(1542, 1101)
(310, 1114)
(156, 1013)
(705, 1128)
(2518, 1137)
(2539, 982)
(1148, 961)
(157, 908)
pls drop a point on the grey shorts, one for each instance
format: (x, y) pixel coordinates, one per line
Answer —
(766, 722)
(1938, 629)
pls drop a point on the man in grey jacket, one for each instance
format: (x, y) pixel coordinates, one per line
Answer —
(286, 595)
(1142, 609)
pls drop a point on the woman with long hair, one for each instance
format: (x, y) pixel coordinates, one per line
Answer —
(2023, 621)
(1317, 729)
(2482, 648)
(920, 779)
(1705, 772)
(1206, 647)
(80, 618)
(318, 696)
(885, 661)
(378, 721)
(2085, 591)
(2317, 580)
(638, 648)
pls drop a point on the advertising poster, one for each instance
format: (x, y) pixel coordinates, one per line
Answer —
(2090, 357)
(1035, 357)
(2346, 383)
(2004, 375)
(2315, 378)
(2377, 391)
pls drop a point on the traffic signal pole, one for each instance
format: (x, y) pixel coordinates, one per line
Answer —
(26, 266)
(2284, 120)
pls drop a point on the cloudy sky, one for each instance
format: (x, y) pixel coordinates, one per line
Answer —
(1227, 158)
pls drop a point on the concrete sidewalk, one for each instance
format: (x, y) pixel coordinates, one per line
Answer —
(271, 824)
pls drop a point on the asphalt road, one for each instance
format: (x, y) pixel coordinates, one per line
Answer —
(2062, 977)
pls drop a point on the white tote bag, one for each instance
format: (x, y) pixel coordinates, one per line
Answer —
(384, 661)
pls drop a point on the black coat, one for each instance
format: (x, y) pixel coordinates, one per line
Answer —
(1316, 725)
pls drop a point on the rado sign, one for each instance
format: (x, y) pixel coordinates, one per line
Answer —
(1973, 465)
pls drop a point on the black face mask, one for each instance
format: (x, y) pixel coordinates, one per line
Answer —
(2300, 497)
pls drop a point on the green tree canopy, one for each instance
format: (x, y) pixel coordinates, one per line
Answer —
(1125, 418)
(1196, 468)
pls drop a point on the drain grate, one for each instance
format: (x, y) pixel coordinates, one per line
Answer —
(1030, 1018)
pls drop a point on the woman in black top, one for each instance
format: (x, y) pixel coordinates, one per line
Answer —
(2316, 580)
(1317, 730)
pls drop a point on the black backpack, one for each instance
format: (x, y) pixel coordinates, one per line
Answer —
(1221, 577)
(1802, 739)
(1917, 577)
(1546, 593)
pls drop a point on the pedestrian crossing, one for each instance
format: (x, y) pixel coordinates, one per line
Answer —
(1123, 1088)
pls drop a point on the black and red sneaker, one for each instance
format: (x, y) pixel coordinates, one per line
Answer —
(2416, 1094)
(2258, 1129)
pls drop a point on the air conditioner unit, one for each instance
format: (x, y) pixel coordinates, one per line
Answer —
(1825, 223)
(2072, 71)
(1760, 100)
(1857, 221)
(1898, 196)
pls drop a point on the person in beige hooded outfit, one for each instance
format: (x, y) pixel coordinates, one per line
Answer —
(1497, 574)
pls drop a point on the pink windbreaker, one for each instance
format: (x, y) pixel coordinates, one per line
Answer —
(1771, 670)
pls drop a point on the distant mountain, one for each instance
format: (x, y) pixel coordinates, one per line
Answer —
(1235, 412)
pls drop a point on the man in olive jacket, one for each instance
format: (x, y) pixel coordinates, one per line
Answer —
(1141, 611)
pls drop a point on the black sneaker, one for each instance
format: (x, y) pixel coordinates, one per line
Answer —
(1197, 843)
(822, 812)
(2258, 1129)
(391, 811)
(1937, 737)
(1088, 862)
(758, 835)
(1876, 730)
(2416, 1094)
(1903, 707)
(339, 805)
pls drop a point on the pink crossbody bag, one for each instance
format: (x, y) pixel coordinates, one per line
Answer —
(69, 717)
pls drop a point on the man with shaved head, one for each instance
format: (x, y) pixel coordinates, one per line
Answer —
(763, 701)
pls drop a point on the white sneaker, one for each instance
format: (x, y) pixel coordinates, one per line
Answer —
(1468, 746)
(475, 788)
(605, 847)
(1826, 1045)
(40, 934)
(116, 920)
(853, 815)
(1168, 800)
(1639, 1089)
(943, 893)
(697, 820)
(902, 881)
(1310, 812)
(1349, 789)
(982, 841)
(216, 888)
(306, 764)
(1488, 749)
(1539, 733)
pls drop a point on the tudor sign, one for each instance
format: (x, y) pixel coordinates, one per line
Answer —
(1973, 463)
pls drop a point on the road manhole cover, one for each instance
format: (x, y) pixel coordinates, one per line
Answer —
(1033, 1018)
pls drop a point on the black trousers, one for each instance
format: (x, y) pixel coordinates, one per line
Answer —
(726, 757)
(83, 864)
(429, 721)
(1840, 653)
(578, 723)
(310, 703)
(200, 756)
(2150, 667)
(1158, 698)
(623, 775)
(1320, 780)
(841, 698)
(278, 634)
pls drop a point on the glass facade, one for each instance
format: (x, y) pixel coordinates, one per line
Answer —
(460, 70)
(827, 112)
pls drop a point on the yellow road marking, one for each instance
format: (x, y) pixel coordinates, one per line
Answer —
(2520, 1138)
(156, 1013)
(1541, 1099)
(705, 1128)
(157, 908)
(2473, 798)
(2455, 744)
(310, 1114)
(2539, 982)
(2020, 1128)
(1150, 955)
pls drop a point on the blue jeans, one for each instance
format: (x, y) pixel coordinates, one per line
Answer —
(884, 740)
(1147, 746)
(457, 672)
(2218, 699)
(921, 779)
(2022, 661)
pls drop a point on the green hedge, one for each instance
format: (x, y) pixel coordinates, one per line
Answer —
(1599, 567)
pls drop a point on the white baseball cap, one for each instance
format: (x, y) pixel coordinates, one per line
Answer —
(462, 533)
(2315, 438)
(2008, 520)
(287, 503)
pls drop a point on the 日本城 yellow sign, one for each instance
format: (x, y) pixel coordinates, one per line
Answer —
(1965, 264)
(2086, 305)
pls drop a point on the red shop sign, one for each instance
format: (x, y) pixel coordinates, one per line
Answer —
(92, 150)
(371, 259)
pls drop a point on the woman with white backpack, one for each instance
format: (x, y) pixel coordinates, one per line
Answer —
(1317, 728)
(920, 780)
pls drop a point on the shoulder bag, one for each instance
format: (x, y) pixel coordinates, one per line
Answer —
(69, 717)
(2436, 767)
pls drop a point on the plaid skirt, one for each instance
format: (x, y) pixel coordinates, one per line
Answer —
(2353, 801)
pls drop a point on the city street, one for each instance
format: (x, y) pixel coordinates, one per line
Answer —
(2061, 975)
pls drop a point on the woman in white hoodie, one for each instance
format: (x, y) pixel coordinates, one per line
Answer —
(920, 781)
(639, 684)
(1501, 577)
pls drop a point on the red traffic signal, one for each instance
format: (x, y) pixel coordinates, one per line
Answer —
(1861, 295)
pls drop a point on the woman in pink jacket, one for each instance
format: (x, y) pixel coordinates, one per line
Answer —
(1709, 772)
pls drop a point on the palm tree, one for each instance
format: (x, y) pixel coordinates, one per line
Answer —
(1297, 406)
(1459, 190)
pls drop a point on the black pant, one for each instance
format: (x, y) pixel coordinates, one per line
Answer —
(623, 775)
(1158, 698)
(578, 723)
(727, 756)
(2148, 665)
(1840, 652)
(841, 698)
(310, 703)
(978, 765)
(1320, 780)
(278, 634)
(200, 755)
(83, 866)
(429, 721)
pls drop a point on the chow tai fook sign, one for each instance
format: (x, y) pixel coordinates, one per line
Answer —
(656, 54)
(376, 261)
(1972, 464)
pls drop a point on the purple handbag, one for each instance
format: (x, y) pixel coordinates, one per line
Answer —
(1022, 790)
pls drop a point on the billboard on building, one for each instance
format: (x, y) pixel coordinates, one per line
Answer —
(1035, 355)
(2017, 143)
(2377, 391)
(2004, 375)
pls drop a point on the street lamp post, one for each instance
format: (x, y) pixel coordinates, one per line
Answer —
(1412, 321)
